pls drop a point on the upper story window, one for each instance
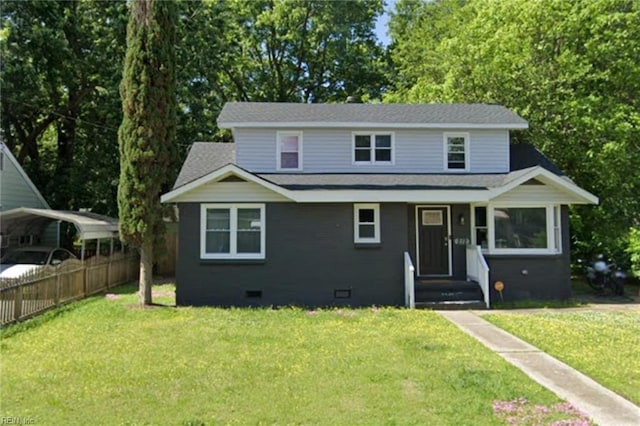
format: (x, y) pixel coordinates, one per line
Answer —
(373, 148)
(456, 150)
(289, 150)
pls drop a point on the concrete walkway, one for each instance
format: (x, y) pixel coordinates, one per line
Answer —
(603, 406)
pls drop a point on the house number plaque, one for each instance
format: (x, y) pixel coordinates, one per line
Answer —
(461, 241)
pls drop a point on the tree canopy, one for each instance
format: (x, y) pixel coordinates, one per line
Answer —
(572, 69)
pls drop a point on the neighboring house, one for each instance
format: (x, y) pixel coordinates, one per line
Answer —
(327, 204)
(16, 189)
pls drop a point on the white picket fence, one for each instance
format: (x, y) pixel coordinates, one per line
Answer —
(49, 286)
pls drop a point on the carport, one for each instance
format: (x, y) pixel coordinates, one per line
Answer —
(21, 222)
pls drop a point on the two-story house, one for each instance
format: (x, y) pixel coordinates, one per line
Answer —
(363, 204)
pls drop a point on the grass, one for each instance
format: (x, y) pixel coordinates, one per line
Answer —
(602, 345)
(107, 361)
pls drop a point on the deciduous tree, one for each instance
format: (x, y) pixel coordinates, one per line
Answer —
(572, 69)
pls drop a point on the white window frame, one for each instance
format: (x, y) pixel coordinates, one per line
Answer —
(279, 151)
(553, 222)
(467, 160)
(233, 226)
(356, 223)
(372, 149)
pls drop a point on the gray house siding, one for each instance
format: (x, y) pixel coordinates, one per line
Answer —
(534, 277)
(310, 254)
(15, 191)
(330, 151)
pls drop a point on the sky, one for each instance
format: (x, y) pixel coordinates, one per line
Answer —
(381, 23)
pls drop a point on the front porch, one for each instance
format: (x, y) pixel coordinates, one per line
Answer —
(447, 293)
(443, 270)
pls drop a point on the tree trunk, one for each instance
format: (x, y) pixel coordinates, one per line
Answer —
(146, 272)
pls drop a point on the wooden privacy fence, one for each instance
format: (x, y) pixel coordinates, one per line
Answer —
(49, 286)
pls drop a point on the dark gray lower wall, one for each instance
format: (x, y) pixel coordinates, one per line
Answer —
(310, 254)
(534, 277)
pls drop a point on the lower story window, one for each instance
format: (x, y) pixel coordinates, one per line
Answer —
(366, 223)
(232, 231)
(518, 229)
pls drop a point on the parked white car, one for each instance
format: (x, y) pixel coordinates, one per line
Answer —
(20, 261)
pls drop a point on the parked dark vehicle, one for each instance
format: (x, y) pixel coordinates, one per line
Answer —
(603, 274)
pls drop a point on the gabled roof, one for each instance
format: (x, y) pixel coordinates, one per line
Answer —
(203, 158)
(5, 152)
(440, 116)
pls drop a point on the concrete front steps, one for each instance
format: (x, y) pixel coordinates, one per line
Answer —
(448, 295)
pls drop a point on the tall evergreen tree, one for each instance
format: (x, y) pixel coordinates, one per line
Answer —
(147, 133)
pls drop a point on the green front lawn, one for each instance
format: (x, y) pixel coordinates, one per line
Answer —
(604, 346)
(106, 361)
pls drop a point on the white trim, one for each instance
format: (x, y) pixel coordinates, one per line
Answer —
(372, 148)
(390, 196)
(409, 196)
(220, 174)
(549, 178)
(417, 230)
(360, 125)
(376, 222)
(279, 148)
(233, 231)
(466, 136)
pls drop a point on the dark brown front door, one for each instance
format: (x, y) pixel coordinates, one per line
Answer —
(433, 240)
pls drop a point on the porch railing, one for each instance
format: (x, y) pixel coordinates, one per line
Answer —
(478, 270)
(409, 283)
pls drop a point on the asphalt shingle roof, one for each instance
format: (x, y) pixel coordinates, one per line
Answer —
(203, 158)
(429, 115)
(384, 181)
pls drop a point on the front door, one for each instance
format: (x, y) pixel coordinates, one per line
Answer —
(433, 241)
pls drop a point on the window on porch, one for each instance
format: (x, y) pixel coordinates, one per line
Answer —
(503, 229)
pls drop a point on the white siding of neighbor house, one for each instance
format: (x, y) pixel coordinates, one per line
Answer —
(15, 191)
(536, 194)
(330, 151)
(230, 192)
